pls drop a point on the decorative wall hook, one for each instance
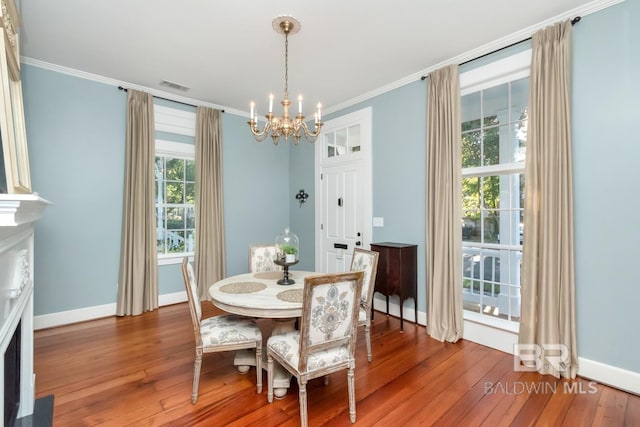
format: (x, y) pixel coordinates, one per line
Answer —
(302, 197)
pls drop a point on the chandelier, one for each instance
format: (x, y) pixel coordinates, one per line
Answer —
(285, 126)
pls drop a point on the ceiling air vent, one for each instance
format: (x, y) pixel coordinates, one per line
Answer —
(174, 85)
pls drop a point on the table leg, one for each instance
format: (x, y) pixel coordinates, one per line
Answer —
(244, 359)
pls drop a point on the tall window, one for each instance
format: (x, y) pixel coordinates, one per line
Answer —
(175, 199)
(494, 134)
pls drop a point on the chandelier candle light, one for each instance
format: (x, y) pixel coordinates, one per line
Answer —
(285, 126)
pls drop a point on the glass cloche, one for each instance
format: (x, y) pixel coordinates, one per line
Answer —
(287, 246)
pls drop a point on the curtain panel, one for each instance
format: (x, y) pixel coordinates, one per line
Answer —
(443, 199)
(210, 259)
(138, 281)
(548, 288)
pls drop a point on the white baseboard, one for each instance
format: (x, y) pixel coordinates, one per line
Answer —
(488, 336)
(408, 310)
(609, 375)
(96, 312)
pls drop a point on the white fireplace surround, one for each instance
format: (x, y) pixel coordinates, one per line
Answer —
(18, 215)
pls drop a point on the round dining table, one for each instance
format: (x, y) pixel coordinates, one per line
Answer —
(259, 295)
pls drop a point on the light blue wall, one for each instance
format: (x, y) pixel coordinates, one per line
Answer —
(76, 133)
(303, 216)
(76, 142)
(256, 191)
(606, 149)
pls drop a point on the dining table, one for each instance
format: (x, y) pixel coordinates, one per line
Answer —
(259, 295)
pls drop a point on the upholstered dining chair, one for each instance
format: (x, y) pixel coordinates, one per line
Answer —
(326, 340)
(261, 258)
(219, 333)
(367, 261)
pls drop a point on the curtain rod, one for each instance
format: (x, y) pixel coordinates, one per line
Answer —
(166, 99)
(574, 21)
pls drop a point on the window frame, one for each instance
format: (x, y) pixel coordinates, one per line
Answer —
(503, 71)
(174, 150)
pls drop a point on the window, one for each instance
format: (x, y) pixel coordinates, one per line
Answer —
(494, 135)
(175, 200)
(342, 142)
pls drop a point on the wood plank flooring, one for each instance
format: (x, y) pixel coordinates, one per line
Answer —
(138, 371)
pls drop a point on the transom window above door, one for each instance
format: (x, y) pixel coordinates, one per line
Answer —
(342, 142)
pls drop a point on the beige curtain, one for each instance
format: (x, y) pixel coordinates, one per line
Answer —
(138, 281)
(548, 295)
(210, 246)
(444, 233)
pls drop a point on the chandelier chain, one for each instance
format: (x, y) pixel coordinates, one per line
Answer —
(286, 65)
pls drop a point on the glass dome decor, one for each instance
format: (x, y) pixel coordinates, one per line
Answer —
(287, 245)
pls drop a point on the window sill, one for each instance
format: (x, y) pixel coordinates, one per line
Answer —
(482, 319)
(173, 259)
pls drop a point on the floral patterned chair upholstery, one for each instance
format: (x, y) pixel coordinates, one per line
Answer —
(261, 258)
(367, 261)
(219, 333)
(326, 340)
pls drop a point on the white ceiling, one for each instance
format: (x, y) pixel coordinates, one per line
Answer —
(228, 54)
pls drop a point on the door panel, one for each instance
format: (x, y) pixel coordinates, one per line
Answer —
(342, 214)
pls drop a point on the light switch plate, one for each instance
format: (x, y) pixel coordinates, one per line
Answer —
(378, 221)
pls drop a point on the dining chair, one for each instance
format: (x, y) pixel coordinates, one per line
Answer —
(326, 340)
(367, 261)
(261, 256)
(219, 333)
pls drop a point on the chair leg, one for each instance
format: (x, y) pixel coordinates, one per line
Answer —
(367, 338)
(352, 394)
(196, 375)
(259, 366)
(302, 397)
(269, 378)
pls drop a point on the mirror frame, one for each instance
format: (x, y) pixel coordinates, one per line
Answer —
(12, 123)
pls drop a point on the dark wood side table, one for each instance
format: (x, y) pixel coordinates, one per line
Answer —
(397, 273)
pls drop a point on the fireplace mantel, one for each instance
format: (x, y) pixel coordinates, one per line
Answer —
(20, 209)
(18, 215)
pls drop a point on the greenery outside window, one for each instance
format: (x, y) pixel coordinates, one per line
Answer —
(175, 200)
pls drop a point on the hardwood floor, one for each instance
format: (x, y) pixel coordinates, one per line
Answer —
(138, 371)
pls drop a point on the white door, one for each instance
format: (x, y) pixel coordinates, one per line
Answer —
(343, 184)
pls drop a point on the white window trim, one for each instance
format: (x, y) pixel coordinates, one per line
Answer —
(505, 70)
(178, 150)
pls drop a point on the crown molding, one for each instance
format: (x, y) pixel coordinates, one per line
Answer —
(518, 36)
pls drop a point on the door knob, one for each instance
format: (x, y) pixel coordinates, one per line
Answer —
(358, 243)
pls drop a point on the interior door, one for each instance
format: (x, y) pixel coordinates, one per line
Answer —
(343, 186)
(341, 215)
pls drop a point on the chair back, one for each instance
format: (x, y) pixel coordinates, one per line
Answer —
(329, 313)
(367, 261)
(261, 258)
(192, 294)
